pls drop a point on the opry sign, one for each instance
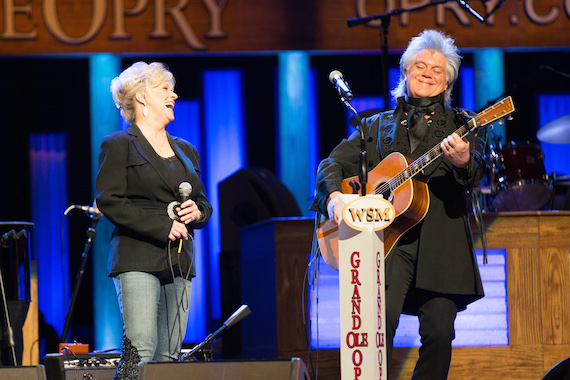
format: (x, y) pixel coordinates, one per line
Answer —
(97, 15)
(117, 26)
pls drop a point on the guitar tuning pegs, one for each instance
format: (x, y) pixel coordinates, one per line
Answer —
(510, 118)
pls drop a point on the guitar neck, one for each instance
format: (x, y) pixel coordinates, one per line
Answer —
(427, 158)
(489, 115)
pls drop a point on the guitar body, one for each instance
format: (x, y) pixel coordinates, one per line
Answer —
(410, 200)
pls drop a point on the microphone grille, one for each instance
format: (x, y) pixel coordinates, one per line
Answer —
(185, 188)
(333, 74)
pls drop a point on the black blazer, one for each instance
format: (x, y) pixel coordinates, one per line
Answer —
(133, 192)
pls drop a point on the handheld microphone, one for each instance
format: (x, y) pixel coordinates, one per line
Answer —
(336, 78)
(184, 190)
(89, 210)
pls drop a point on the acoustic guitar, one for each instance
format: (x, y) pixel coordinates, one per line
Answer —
(394, 179)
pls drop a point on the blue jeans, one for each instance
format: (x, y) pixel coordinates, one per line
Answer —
(154, 316)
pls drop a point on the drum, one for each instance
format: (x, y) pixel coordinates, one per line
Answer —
(522, 181)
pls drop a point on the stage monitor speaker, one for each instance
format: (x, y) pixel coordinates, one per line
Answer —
(248, 196)
(293, 369)
(561, 371)
(92, 366)
(23, 373)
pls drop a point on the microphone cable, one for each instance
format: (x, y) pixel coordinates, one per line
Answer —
(312, 273)
(180, 301)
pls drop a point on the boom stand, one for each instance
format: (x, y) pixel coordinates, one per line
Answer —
(362, 168)
(385, 18)
(91, 233)
(6, 327)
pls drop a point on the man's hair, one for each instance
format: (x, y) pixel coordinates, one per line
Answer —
(434, 41)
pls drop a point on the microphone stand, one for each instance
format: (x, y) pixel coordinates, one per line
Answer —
(385, 18)
(362, 165)
(91, 233)
(237, 316)
(7, 331)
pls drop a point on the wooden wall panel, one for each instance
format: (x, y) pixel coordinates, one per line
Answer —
(523, 289)
(538, 286)
(555, 298)
(512, 362)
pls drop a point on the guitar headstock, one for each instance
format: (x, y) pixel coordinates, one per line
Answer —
(497, 111)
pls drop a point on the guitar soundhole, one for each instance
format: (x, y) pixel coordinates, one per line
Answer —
(385, 194)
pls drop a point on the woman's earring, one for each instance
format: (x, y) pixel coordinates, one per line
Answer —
(145, 111)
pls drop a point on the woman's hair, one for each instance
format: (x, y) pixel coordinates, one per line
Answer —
(436, 42)
(138, 77)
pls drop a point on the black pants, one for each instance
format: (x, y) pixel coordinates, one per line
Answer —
(436, 313)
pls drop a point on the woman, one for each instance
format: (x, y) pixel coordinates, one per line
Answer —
(151, 256)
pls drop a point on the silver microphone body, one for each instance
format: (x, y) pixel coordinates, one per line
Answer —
(184, 190)
(336, 78)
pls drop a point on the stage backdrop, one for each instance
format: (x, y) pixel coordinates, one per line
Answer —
(122, 26)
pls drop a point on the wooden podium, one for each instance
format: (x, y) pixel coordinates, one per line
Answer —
(274, 256)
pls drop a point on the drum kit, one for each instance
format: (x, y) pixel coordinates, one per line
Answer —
(516, 177)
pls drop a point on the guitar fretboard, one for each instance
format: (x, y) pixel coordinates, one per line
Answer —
(495, 112)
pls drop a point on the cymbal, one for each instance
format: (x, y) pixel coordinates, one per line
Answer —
(556, 132)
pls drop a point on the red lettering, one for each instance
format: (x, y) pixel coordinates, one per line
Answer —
(356, 340)
(355, 279)
(357, 358)
(379, 339)
(350, 343)
(356, 322)
(355, 294)
(355, 306)
(355, 259)
(364, 341)
(357, 372)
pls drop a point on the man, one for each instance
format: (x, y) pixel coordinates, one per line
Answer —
(431, 271)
